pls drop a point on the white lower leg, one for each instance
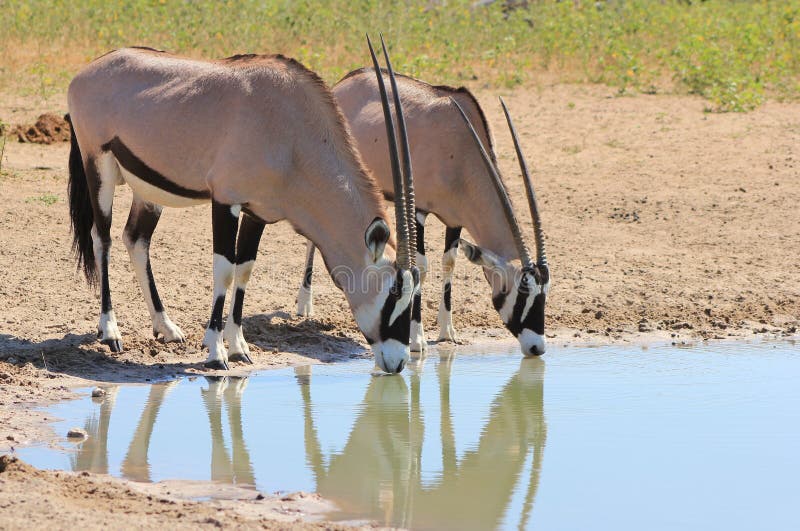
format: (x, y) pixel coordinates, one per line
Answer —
(107, 329)
(162, 324)
(418, 342)
(223, 277)
(305, 295)
(233, 331)
(445, 317)
(305, 301)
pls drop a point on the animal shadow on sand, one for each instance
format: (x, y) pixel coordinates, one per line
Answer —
(308, 337)
(82, 356)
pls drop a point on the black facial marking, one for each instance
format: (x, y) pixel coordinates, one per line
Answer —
(238, 303)
(400, 330)
(514, 324)
(499, 300)
(224, 227)
(447, 295)
(216, 314)
(535, 318)
(140, 169)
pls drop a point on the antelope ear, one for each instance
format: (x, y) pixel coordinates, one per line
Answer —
(479, 256)
(375, 237)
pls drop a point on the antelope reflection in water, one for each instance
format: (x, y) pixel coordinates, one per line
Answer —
(222, 391)
(378, 475)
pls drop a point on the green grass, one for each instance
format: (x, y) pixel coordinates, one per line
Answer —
(45, 199)
(734, 53)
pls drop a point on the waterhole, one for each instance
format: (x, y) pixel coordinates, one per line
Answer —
(699, 437)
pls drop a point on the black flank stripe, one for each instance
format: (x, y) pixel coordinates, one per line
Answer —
(140, 169)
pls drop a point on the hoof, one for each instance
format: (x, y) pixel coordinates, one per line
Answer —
(217, 365)
(240, 357)
(114, 344)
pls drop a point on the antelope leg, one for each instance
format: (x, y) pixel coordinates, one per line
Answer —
(445, 318)
(139, 229)
(224, 224)
(246, 250)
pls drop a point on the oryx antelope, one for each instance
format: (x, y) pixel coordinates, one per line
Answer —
(255, 135)
(456, 180)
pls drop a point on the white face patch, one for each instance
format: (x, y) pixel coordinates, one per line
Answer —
(405, 297)
(367, 315)
(532, 344)
(391, 355)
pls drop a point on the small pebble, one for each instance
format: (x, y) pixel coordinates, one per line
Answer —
(97, 392)
(77, 433)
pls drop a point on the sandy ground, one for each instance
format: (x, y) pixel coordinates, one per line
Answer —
(663, 221)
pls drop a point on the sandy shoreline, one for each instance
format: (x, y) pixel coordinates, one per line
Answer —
(664, 224)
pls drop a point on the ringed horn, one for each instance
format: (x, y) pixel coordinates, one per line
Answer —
(541, 257)
(508, 210)
(403, 180)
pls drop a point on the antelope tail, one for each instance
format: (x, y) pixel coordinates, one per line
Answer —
(80, 211)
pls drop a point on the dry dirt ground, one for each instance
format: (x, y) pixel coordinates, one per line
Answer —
(662, 221)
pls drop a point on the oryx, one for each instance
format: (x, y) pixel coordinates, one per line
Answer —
(456, 180)
(253, 134)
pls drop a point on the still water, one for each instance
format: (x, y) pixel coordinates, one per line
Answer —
(706, 437)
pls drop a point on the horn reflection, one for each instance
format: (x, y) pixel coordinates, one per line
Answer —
(375, 471)
(378, 474)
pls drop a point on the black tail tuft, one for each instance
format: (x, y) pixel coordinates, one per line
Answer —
(80, 212)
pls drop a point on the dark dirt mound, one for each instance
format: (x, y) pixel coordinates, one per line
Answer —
(48, 129)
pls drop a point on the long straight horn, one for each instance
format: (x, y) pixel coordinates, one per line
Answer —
(508, 210)
(403, 251)
(408, 177)
(541, 257)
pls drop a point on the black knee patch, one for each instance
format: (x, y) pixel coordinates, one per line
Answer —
(238, 303)
(216, 314)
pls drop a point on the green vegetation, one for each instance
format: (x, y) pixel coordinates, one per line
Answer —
(45, 199)
(734, 53)
(2, 144)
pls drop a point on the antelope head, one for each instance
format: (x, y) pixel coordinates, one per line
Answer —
(386, 323)
(518, 292)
